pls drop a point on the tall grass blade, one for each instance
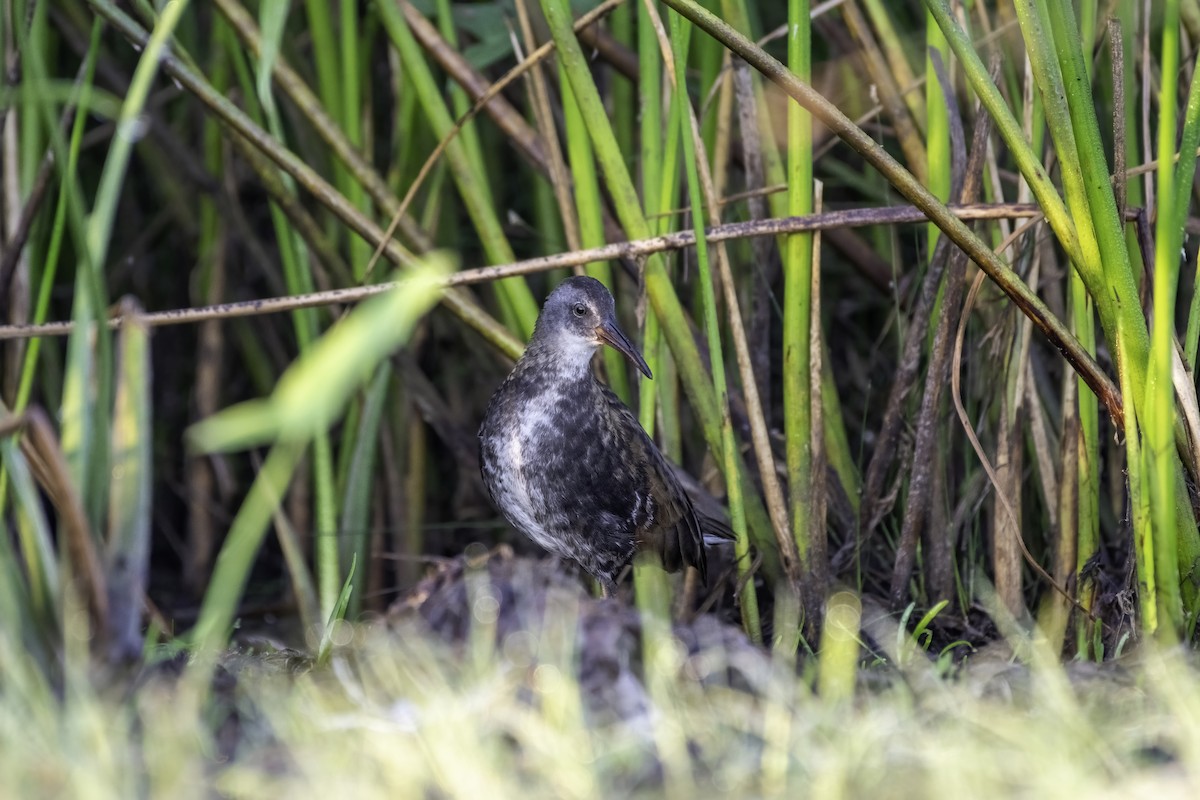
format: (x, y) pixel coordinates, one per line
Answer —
(797, 313)
(337, 616)
(1160, 456)
(358, 496)
(34, 571)
(232, 568)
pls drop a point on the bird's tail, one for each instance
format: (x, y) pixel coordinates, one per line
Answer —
(716, 532)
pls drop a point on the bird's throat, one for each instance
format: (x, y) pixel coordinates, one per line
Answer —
(565, 359)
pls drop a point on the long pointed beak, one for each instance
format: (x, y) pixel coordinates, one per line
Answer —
(614, 337)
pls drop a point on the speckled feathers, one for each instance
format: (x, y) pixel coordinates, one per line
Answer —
(568, 464)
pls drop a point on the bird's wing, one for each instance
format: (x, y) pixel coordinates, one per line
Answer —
(672, 528)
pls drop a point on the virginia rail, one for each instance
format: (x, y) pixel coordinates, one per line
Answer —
(567, 462)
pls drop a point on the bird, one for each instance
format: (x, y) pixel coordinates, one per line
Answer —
(567, 463)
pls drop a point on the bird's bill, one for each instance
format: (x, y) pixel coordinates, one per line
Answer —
(614, 337)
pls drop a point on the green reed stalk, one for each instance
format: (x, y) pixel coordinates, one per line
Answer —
(1177, 541)
(1096, 246)
(668, 173)
(232, 568)
(326, 64)
(458, 96)
(1160, 455)
(1083, 325)
(1183, 184)
(837, 446)
(1087, 474)
(352, 97)
(650, 103)
(937, 123)
(797, 303)
(324, 48)
(1184, 173)
(589, 206)
(127, 554)
(342, 468)
(680, 35)
(651, 144)
(938, 171)
(624, 90)
(1083, 165)
(410, 541)
(406, 160)
(836, 442)
(1010, 130)
(359, 491)
(893, 49)
(1140, 515)
(1125, 12)
(840, 644)
(710, 56)
(1088, 10)
(58, 228)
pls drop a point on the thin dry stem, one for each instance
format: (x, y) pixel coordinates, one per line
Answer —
(956, 395)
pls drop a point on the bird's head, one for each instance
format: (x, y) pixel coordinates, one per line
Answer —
(577, 318)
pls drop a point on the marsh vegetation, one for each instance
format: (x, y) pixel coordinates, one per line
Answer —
(917, 288)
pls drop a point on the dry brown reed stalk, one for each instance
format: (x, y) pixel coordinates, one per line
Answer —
(826, 220)
(956, 395)
(42, 448)
(939, 564)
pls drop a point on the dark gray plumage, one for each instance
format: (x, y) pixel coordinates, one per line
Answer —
(566, 461)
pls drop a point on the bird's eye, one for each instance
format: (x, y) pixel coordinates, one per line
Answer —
(579, 310)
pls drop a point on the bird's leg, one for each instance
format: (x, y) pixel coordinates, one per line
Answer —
(610, 582)
(687, 596)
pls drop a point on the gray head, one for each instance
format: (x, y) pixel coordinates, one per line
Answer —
(577, 318)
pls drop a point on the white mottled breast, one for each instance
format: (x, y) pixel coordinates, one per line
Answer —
(509, 467)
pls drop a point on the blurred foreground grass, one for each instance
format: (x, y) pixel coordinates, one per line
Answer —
(400, 713)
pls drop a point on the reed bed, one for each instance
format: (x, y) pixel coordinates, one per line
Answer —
(914, 280)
